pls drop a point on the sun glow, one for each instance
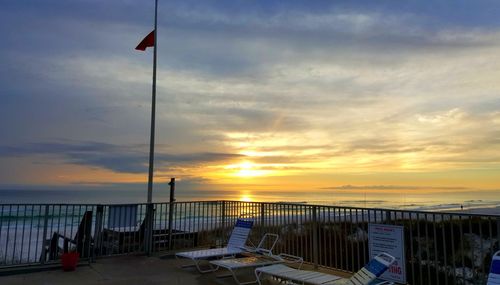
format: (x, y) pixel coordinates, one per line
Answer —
(246, 169)
(246, 198)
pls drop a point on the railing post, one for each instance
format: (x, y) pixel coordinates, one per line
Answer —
(223, 220)
(99, 216)
(44, 237)
(315, 236)
(498, 228)
(262, 217)
(171, 211)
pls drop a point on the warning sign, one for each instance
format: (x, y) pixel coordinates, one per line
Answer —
(389, 239)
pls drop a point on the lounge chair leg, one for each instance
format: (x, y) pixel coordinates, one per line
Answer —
(196, 263)
(257, 277)
(212, 268)
(239, 282)
(188, 265)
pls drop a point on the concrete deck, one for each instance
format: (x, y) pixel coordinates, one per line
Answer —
(127, 270)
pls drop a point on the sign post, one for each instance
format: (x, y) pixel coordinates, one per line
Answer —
(389, 239)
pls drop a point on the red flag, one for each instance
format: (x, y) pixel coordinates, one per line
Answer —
(148, 41)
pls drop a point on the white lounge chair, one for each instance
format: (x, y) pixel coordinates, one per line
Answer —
(376, 267)
(494, 276)
(261, 256)
(236, 245)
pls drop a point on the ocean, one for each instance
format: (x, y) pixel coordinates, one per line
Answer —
(471, 201)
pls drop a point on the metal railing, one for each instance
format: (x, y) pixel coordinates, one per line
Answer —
(440, 248)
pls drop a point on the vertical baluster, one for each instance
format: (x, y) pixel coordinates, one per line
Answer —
(435, 240)
(335, 239)
(471, 241)
(30, 234)
(15, 235)
(444, 243)
(25, 216)
(43, 256)
(428, 257)
(2, 259)
(480, 225)
(39, 225)
(462, 251)
(453, 260)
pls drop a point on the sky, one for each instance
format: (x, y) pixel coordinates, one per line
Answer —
(252, 95)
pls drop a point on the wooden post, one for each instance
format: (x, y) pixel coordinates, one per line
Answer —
(262, 218)
(223, 221)
(171, 211)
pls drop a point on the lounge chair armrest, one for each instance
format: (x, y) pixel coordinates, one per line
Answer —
(260, 248)
(264, 251)
(288, 258)
(251, 249)
(257, 250)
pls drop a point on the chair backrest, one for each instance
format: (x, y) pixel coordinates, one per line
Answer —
(494, 276)
(273, 239)
(122, 216)
(373, 269)
(240, 233)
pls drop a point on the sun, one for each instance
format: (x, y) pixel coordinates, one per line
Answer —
(246, 198)
(246, 169)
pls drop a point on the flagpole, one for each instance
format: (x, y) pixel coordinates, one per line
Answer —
(153, 111)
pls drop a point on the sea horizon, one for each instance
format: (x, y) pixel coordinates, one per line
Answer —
(477, 202)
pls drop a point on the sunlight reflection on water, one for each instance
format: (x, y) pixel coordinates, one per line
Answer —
(368, 199)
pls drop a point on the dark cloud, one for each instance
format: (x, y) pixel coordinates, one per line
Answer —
(127, 159)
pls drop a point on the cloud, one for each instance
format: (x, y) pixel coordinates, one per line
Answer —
(452, 116)
(126, 159)
(356, 86)
(394, 187)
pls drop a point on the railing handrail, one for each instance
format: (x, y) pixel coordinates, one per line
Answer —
(429, 212)
(424, 212)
